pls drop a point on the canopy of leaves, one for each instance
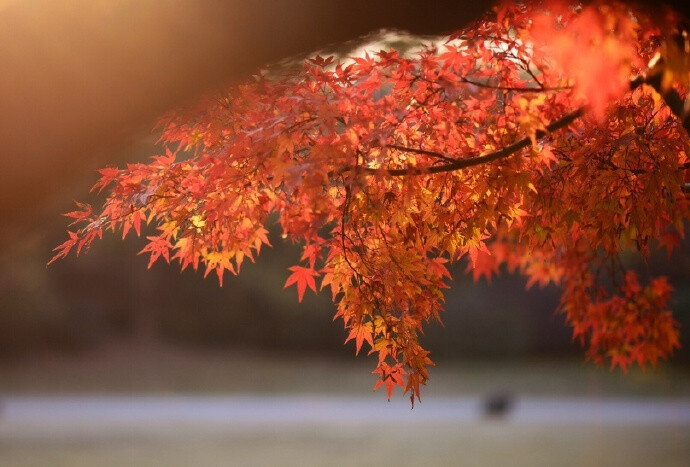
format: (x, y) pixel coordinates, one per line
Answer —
(525, 139)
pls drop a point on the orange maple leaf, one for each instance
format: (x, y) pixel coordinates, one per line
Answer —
(360, 333)
(303, 277)
(391, 377)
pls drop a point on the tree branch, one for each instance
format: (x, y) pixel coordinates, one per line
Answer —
(425, 152)
(480, 84)
(458, 164)
(653, 77)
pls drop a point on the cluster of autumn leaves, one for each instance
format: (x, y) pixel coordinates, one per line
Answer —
(501, 145)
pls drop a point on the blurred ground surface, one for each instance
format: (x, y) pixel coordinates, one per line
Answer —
(126, 368)
(480, 443)
(249, 409)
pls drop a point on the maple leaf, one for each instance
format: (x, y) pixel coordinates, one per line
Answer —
(475, 249)
(166, 161)
(220, 262)
(483, 264)
(596, 56)
(303, 277)
(64, 248)
(361, 332)
(158, 247)
(669, 240)
(546, 157)
(108, 175)
(134, 220)
(84, 214)
(437, 268)
(390, 376)
(311, 252)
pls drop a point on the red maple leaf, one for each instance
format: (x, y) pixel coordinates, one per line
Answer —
(303, 277)
(360, 333)
(391, 377)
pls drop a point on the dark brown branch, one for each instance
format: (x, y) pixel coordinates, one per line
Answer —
(424, 152)
(479, 84)
(671, 97)
(458, 164)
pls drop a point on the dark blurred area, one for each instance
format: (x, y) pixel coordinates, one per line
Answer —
(82, 82)
(107, 294)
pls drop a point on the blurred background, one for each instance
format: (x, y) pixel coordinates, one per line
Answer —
(103, 361)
